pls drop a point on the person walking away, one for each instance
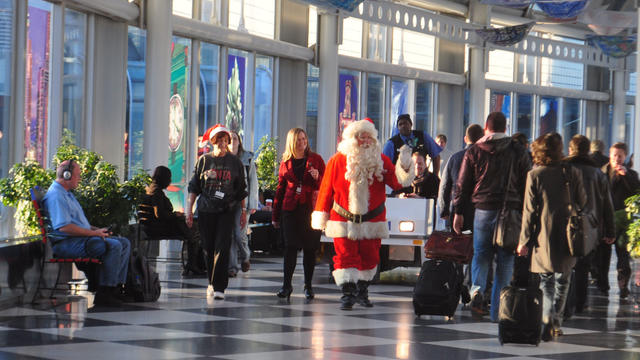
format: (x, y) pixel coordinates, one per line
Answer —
(299, 178)
(483, 181)
(218, 183)
(552, 188)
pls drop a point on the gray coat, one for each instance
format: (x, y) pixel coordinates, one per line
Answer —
(545, 215)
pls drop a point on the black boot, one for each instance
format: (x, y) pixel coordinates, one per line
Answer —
(363, 294)
(348, 298)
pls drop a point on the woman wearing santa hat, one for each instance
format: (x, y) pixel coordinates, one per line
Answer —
(299, 178)
(218, 180)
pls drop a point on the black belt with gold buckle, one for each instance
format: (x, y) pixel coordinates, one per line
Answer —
(357, 218)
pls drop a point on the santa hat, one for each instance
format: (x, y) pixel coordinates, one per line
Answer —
(356, 127)
(212, 132)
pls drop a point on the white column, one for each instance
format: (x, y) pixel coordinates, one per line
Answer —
(157, 83)
(328, 86)
(619, 102)
(479, 15)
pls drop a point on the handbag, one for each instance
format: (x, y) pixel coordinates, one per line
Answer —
(578, 224)
(507, 229)
(443, 245)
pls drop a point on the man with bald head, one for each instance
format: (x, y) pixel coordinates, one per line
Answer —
(74, 237)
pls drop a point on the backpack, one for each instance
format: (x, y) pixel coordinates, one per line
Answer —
(143, 282)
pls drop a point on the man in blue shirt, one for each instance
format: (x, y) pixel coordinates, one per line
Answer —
(73, 236)
(413, 138)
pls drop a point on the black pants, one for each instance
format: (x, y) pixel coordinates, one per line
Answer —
(582, 280)
(298, 234)
(215, 234)
(603, 259)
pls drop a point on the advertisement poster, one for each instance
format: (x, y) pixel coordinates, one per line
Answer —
(399, 104)
(36, 105)
(236, 71)
(348, 102)
(177, 124)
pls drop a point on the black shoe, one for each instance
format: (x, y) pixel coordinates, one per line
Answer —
(477, 305)
(308, 292)
(547, 332)
(104, 297)
(624, 293)
(284, 293)
(465, 296)
(348, 298)
(362, 297)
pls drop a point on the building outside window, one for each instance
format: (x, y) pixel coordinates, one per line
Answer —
(413, 49)
(38, 67)
(183, 8)
(256, 17)
(500, 65)
(74, 68)
(351, 37)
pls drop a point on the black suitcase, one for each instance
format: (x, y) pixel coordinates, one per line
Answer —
(437, 291)
(520, 315)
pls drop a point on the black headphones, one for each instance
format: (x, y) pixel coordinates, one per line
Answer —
(68, 170)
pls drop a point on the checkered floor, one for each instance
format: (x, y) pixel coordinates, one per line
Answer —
(252, 323)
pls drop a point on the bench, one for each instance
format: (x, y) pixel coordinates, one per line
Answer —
(44, 226)
(146, 216)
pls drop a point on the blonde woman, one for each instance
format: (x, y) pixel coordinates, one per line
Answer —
(299, 177)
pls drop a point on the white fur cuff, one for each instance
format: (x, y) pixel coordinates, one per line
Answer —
(344, 276)
(367, 275)
(319, 219)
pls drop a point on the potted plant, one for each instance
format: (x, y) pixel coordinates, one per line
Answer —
(267, 164)
(632, 222)
(105, 201)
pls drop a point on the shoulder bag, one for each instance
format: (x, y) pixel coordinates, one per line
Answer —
(507, 230)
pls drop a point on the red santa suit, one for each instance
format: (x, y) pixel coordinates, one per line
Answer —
(357, 244)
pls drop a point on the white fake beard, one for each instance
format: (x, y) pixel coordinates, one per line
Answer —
(362, 165)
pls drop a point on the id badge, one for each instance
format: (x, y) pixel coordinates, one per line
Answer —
(219, 195)
(299, 190)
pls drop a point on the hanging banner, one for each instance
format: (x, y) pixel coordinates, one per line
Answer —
(344, 5)
(236, 72)
(505, 36)
(348, 102)
(614, 46)
(177, 124)
(563, 10)
(605, 22)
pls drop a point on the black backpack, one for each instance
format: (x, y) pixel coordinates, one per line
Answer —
(143, 282)
(438, 289)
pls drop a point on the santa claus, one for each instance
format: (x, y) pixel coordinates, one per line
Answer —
(350, 207)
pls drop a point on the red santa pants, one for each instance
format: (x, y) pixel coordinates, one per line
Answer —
(355, 259)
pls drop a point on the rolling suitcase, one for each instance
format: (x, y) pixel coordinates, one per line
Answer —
(520, 315)
(437, 291)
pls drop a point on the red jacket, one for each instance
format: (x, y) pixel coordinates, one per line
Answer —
(286, 198)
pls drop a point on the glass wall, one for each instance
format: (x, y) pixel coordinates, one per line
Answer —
(6, 53)
(526, 69)
(263, 101)
(74, 67)
(377, 42)
(375, 98)
(313, 26)
(351, 37)
(36, 112)
(413, 49)
(256, 17)
(208, 104)
(524, 114)
(501, 101)
(399, 102)
(183, 8)
(548, 115)
(210, 11)
(134, 136)
(500, 65)
(422, 119)
(571, 111)
(313, 75)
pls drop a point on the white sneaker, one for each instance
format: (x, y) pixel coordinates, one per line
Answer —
(210, 291)
(218, 295)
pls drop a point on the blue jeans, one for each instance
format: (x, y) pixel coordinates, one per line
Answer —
(555, 287)
(483, 252)
(239, 242)
(114, 252)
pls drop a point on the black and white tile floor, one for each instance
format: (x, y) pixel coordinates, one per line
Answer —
(252, 323)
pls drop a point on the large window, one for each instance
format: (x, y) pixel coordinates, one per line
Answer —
(526, 69)
(500, 65)
(263, 100)
(208, 104)
(254, 16)
(351, 37)
(313, 75)
(399, 102)
(134, 136)
(548, 115)
(183, 8)
(524, 115)
(313, 26)
(377, 42)
(36, 112)
(74, 67)
(422, 120)
(375, 98)
(413, 49)
(501, 101)
(6, 50)
(210, 11)
(571, 111)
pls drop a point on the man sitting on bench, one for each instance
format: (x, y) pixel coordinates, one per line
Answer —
(74, 237)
